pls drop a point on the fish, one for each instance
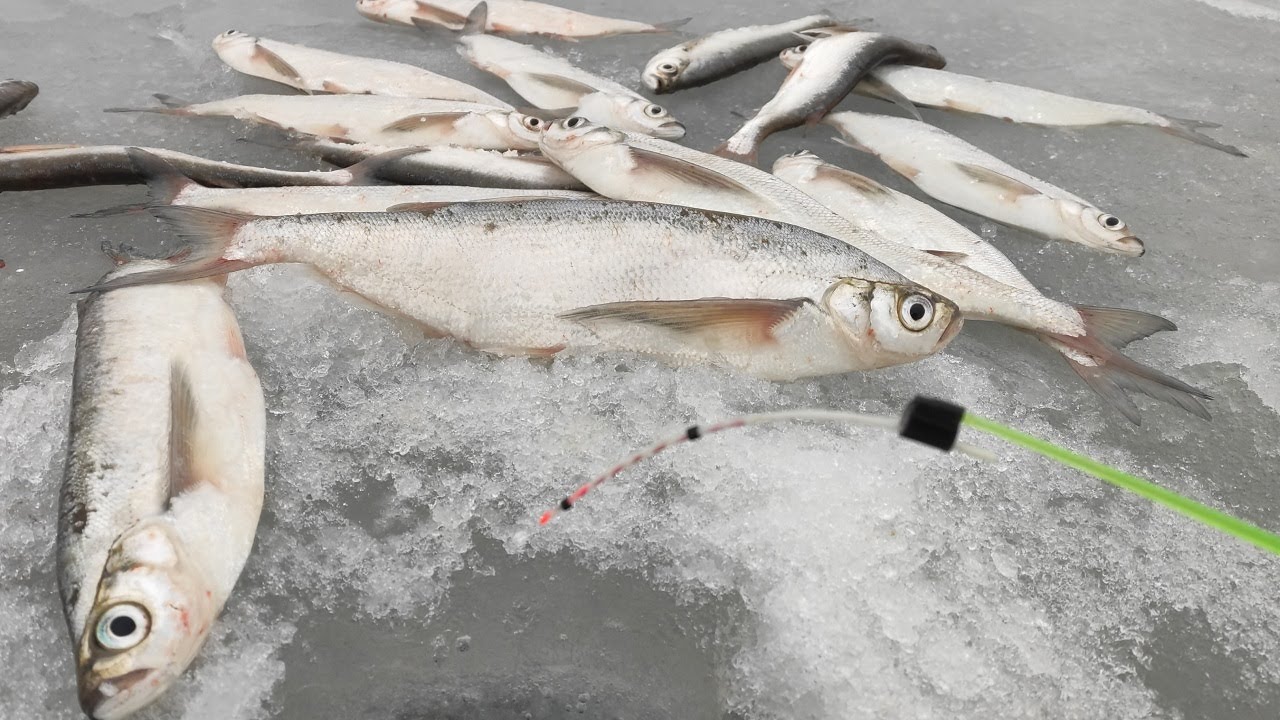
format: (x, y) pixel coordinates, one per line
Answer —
(46, 167)
(509, 17)
(452, 166)
(398, 122)
(960, 174)
(170, 187)
(723, 53)
(312, 71)
(830, 69)
(638, 168)
(905, 219)
(589, 276)
(954, 92)
(552, 83)
(163, 483)
(16, 95)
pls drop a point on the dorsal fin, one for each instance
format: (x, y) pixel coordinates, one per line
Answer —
(164, 182)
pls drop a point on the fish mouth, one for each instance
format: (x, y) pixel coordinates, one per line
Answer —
(113, 698)
(672, 129)
(1129, 246)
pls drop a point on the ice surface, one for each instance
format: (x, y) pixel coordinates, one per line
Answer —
(783, 572)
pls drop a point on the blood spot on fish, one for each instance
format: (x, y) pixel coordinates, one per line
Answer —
(490, 227)
(79, 517)
(235, 343)
(1, 264)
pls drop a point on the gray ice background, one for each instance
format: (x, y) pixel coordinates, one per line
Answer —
(787, 572)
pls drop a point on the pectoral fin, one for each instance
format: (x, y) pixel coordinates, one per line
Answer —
(1011, 189)
(863, 184)
(884, 91)
(186, 466)
(950, 255)
(280, 66)
(747, 321)
(545, 81)
(684, 172)
(425, 121)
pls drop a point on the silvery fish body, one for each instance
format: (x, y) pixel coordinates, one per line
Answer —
(314, 70)
(723, 53)
(447, 165)
(16, 95)
(163, 484)
(508, 17)
(957, 173)
(398, 122)
(590, 276)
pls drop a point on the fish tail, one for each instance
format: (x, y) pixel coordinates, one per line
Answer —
(744, 146)
(170, 106)
(1111, 374)
(210, 236)
(1190, 130)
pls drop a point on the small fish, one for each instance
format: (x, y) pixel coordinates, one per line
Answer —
(452, 166)
(912, 222)
(313, 70)
(553, 83)
(16, 95)
(163, 484)
(170, 187)
(591, 276)
(723, 53)
(46, 167)
(509, 17)
(638, 168)
(959, 174)
(399, 122)
(830, 69)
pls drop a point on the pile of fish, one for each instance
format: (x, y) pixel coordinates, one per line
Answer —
(569, 224)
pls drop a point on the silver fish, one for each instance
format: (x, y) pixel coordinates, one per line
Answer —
(589, 276)
(727, 52)
(391, 121)
(45, 167)
(313, 70)
(16, 95)
(960, 174)
(163, 484)
(639, 168)
(829, 71)
(508, 17)
(555, 84)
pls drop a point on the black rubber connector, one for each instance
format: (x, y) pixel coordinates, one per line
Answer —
(932, 422)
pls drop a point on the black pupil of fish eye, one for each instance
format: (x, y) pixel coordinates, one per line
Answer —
(916, 311)
(122, 626)
(1112, 221)
(574, 122)
(533, 122)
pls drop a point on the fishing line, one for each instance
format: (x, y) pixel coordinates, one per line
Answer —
(937, 423)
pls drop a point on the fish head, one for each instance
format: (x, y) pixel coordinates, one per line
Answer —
(799, 166)
(901, 322)
(376, 10)
(233, 40)
(524, 129)
(1097, 229)
(637, 115)
(664, 69)
(151, 615)
(568, 138)
(792, 56)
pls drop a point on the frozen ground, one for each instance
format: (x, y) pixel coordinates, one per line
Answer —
(793, 572)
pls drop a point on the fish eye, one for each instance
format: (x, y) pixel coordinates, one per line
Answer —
(655, 111)
(122, 626)
(667, 68)
(1111, 222)
(533, 123)
(575, 122)
(799, 49)
(915, 312)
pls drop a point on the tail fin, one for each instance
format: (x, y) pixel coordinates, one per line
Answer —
(1110, 373)
(1190, 130)
(170, 105)
(739, 149)
(211, 237)
(477, 20)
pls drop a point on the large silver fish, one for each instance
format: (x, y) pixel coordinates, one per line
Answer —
(508, 17)
(829, 70)
(960, 174)
(723, 53)
(553, 83)
(394, 121)
(313, 70)
(45, 167)
(953, 92)
(589, 276)
(163, 484)
(16, 95)
(635, 167)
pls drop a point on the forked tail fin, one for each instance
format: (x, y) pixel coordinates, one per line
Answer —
(1190, 130)
(1096, 358)
(211, 239)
